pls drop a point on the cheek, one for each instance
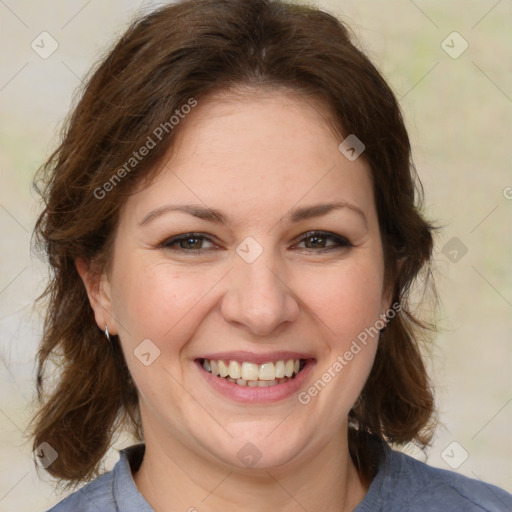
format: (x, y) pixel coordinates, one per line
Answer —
(347, 300)
(348, 303)
(156, 302)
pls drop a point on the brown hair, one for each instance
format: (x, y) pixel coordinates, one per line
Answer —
(177, 53)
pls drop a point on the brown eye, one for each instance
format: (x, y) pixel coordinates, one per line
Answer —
(189, 242)
(317, 240)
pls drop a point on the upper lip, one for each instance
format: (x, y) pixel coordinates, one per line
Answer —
(252, 357)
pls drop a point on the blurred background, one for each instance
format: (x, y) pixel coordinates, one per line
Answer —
(450, 65)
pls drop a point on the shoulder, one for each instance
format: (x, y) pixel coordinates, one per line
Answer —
(96, 495)
(110, 492)
(404, 483)
(434, 487)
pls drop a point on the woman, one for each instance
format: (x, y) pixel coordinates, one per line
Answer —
(233, 227)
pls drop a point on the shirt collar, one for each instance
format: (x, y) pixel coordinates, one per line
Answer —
(126, 494)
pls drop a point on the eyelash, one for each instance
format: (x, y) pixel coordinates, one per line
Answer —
(341, 242)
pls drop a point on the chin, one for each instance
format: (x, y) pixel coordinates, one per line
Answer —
(257, 448)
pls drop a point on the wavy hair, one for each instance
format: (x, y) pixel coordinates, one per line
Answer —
(178, 52)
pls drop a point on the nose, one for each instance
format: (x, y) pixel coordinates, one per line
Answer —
(258, 298)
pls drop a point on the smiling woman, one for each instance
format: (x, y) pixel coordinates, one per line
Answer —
(239, 298)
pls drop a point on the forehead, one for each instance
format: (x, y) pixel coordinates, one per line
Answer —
(257, 153)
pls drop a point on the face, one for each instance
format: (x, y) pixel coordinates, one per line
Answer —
(251, 278)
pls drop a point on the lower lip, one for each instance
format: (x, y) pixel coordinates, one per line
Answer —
(252, 395)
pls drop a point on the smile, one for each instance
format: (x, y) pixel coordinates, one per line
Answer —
(249, 374)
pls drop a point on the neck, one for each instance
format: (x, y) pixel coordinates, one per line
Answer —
(174, 478)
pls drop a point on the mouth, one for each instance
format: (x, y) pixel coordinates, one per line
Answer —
(249, 374)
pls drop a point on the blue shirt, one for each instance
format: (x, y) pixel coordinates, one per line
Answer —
(402, 483)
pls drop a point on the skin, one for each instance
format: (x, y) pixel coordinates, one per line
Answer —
(255, 156)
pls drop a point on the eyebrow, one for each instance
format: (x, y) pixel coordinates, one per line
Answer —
(217, 217)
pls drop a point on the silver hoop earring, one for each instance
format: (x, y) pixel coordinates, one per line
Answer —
(107, 334)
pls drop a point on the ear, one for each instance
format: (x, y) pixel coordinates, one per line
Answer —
(99, 293)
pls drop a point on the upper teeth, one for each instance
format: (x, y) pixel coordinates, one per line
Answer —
(252, 371)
